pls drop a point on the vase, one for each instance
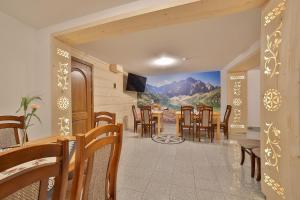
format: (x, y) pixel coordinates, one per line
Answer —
(23, 137)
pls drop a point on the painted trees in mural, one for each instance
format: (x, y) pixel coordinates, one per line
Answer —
(172, 91)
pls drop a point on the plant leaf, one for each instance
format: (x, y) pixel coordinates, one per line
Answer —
(37, 118)
(34, 98)
(21, 105)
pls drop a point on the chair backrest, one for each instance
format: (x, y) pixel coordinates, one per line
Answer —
(187, 115)
(9, 126)
(29, 169)
(206, 116)
(146, 115)
(135, 116)
(227, 114)
(96, 163)
(104, 118)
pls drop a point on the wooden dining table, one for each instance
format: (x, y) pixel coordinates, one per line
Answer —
(216, 120)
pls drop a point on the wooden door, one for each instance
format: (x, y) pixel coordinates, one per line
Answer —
(82, 103)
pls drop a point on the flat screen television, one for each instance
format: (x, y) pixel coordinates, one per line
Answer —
(136, 83)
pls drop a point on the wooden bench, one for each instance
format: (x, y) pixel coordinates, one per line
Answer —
(246, 147)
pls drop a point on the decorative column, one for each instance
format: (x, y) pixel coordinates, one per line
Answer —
(237, 98)
(273, 114)
(61, 89)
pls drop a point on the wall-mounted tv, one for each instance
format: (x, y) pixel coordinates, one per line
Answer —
(136, 83)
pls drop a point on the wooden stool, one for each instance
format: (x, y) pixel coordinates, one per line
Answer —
(256, 156)
(246, 147)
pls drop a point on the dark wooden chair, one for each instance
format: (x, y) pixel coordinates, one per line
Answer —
(204, 121)
(187, 120)
(136, 119)
(148, 123)
(255, 155)
(246, 147)
(104, 118)
(31, 182)
(225, 124)
(9, 127)
(96, 163)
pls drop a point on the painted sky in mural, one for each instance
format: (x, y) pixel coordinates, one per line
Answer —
(173, 90)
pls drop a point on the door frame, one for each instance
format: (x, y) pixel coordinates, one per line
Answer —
(92, 81)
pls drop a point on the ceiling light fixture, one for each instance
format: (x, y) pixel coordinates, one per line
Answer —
(164, 61)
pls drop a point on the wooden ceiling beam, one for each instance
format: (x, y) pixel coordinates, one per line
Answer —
(251, 62)
(202, 9)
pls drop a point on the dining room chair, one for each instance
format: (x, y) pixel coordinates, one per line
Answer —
(225, 124)
(96, 163)
(9, 130)
(148, 122)
(104, 118)
(136, 119)
(187, 120)
(204, 121)
(25, 171)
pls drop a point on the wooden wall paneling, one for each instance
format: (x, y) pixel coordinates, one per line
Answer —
(106, 97)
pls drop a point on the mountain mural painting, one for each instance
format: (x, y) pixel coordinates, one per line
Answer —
(173, 91)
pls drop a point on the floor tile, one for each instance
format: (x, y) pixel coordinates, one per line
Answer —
(187, 171)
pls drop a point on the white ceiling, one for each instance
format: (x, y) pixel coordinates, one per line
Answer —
(208, 44)
(43, 13)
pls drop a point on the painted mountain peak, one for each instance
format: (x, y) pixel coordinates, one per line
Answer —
(185, 91)
(186, 87)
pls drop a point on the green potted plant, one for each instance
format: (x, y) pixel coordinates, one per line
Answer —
(29, 109)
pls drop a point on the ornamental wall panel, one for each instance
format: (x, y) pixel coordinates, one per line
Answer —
(61, 89)
(237, 98)
(280, 55)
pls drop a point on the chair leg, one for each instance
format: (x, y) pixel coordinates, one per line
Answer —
(212, 135)
(226, 132)
(252, 165)
(242, 155)
(258, 178)
(193, 133)
(135, 127)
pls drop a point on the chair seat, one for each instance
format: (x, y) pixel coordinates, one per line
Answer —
(222, 124)
(249, 143)
(256, 152)
(153, 123)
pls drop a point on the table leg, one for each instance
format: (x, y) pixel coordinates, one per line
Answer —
(218, 135)
(177, 126)
(158, 125)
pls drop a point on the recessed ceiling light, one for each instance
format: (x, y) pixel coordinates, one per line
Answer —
(164, 61)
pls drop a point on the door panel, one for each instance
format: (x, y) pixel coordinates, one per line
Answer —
(81, 79)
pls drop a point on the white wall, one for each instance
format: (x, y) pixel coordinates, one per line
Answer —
(254, 98)
(17, 63)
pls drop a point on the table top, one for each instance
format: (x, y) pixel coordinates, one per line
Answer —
(214, 113)
(157, 111)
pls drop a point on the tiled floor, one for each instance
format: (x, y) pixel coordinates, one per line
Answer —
(186, 171)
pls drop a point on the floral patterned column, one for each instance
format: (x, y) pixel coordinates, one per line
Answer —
(272, 100)
(61, 89)
(237, 98)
